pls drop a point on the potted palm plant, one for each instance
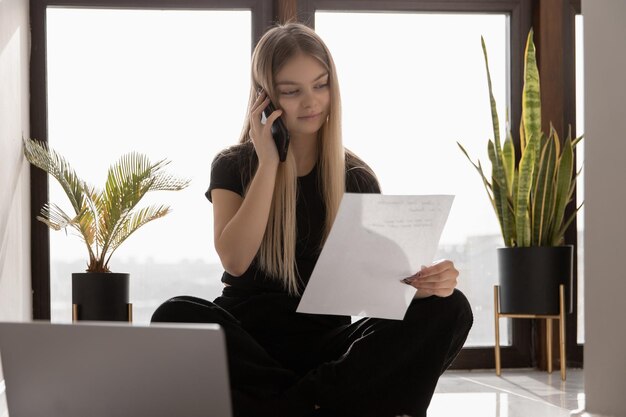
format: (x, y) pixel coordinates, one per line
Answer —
(103, 219)
(529, 195)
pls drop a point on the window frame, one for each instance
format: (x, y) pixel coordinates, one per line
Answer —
(262, 14)
(523, 14)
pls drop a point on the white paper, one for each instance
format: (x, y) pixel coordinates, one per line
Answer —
(375, 242)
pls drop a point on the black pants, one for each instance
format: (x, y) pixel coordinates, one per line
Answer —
(283, 363)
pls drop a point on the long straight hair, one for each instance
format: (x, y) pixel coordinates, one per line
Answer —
(277, 254)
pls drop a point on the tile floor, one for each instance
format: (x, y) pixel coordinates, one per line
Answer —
(517, 393)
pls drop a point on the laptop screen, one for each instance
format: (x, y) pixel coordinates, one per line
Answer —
(110, 369)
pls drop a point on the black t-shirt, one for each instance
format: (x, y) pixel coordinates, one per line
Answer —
(232, 169)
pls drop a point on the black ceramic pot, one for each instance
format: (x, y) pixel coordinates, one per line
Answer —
(530, 279)
(101, 295)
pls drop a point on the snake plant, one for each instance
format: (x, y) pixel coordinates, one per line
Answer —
(529, 194)
(104, 219)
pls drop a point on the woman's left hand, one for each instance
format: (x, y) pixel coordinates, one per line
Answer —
(438, 279)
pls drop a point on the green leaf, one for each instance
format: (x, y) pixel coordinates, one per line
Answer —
(500, 193)
(559, 235)
(575, 141)
(543, 193)
(508, 153)
(38, 154)
(128, 180)
(531, 94)
(486, 182)
(522, 218)
(132, 223)
(564, 183)
(492, 102)
(55, 217)
(522, 136)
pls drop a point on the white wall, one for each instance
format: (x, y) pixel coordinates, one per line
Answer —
(605, 199)
(15, 299)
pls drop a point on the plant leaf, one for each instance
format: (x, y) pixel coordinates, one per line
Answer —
(531, 94)
(564, 183)
(55, 217)
(508, 153)
(526, 176)
(541, 210)
(134, 222)
(559, 235)
(578, 139)
(492, 101)
(39, 154)
(486, 183)
(499, 184)
(127, 183)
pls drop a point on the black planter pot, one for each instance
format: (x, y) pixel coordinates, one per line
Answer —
(101, 296)
(530, 279)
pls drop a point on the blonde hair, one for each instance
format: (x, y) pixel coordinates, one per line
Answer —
(277, 254)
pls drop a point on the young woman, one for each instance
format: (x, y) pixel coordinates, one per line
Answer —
(271, 220)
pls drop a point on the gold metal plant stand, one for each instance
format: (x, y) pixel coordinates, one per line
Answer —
(560, 317)
(75, 312)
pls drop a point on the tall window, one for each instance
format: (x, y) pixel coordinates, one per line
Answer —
(171, 84)
(411, 88)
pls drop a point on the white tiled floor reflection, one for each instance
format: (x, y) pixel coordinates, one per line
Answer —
(516, 393)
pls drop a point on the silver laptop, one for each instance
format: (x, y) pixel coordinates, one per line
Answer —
(114, 370)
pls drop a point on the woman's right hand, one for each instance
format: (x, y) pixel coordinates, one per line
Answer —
(261, 134)
(239, 223)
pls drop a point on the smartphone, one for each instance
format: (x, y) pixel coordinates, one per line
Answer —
(279, 133)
